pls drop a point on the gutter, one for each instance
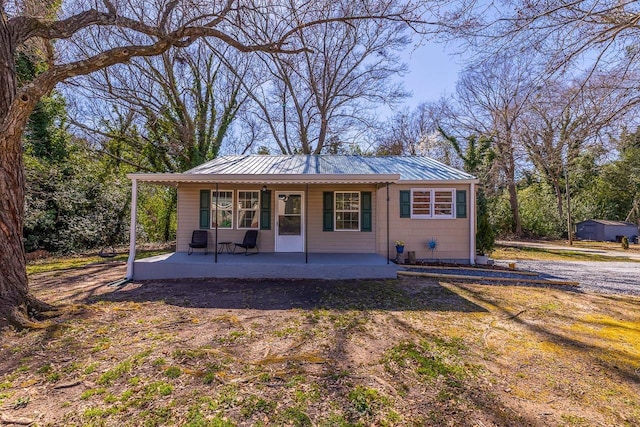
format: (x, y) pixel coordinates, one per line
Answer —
(271, 178)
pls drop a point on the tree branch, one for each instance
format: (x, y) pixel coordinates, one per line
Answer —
(24, 28)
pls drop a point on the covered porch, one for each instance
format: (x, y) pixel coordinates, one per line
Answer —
(179, 265)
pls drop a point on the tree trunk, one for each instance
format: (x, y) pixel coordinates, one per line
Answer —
(16, 304)
(559, 197)
(509, 170)
(173, 201)
(515, 209)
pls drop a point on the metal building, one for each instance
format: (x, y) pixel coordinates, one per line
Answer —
(605, 230)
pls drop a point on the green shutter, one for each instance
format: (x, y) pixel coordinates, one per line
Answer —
(461, 203)
(205, 208)
(265, 210)
(365, 213)
(405, 204)
(327, 211)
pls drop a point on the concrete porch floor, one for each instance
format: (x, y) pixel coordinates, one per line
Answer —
(265, 266)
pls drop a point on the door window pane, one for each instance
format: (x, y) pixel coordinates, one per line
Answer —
(289, 225)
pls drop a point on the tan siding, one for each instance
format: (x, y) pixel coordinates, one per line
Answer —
(188, 214)
(452, 235)
(338, 241)
(318, 241)
(189, 218)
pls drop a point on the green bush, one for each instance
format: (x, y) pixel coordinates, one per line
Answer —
(539, 211)
(485, 235)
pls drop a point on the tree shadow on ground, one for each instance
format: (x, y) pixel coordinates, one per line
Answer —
(616, 360)
(391, 295)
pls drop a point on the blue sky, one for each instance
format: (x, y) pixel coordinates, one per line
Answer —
(433, 73)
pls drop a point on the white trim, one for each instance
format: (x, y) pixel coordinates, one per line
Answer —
(471, 212)
(432, 202)
(213, 210)
(436, 182)
(132, 229)
(257, 210)
(335, 211)
(277, 219)
(268, 178)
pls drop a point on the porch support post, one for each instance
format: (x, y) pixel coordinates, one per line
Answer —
(215, 245)
(132, 229)
(388, 254)
(472, 224)
(306, 229)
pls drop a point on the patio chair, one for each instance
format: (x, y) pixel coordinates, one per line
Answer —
(250, 241)
(199, 240)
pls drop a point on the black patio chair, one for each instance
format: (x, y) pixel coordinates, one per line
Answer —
(199, 240)
(250, 241)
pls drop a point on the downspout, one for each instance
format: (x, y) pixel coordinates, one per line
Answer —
(132, 229)
(472, 224)
(306, 215)
(388, 254)
(215, 246)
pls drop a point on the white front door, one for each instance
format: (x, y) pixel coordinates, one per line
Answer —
(289, 222)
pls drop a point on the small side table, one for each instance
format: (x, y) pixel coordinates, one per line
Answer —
(224, 246)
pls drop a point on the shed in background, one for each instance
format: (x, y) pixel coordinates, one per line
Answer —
(604, 230)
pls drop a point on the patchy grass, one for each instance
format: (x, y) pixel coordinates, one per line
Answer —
(608, 246)
(366, 401)
(428, 359)
(57, 263)
(321, 353)
(531, 253)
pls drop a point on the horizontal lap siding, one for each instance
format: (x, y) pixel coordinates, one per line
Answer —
(338, 241)
(318, 240)
(188, 218)
(451, 235)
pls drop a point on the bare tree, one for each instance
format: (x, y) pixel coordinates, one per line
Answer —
(176, 108)
(92, 35)
(327, 92)
(586, 37)
(491, 97)
(593, 40)
(565, 118)
(415, 133)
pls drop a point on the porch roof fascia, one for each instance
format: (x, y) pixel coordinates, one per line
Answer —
(439, 181)
(174, 178)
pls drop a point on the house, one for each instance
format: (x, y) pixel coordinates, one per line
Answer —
(311, 205)
(605, 230)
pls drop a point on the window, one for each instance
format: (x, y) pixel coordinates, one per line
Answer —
(224, 201)
(421, 203)
(248, 209)
(347, 211)
(443, 203)
(432, 203)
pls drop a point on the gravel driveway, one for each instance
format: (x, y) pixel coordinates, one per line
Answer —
(604, 277)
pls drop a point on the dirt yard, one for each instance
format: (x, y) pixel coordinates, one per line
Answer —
(315, 353)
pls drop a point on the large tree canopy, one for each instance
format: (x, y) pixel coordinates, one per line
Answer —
(78, 37)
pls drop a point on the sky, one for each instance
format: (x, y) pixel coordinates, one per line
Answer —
(433, 73)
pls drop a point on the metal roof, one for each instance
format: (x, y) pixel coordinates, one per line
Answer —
(409, 168)
(609, 222)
